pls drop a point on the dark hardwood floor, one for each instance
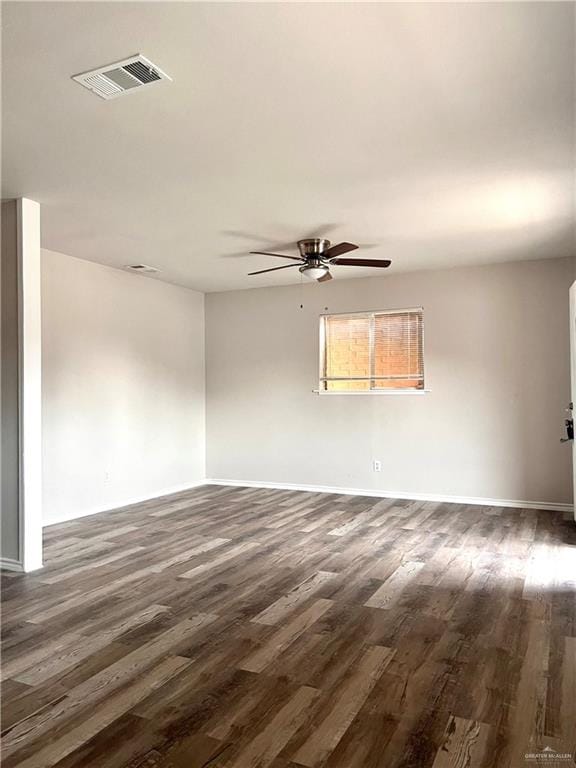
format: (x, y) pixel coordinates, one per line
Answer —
(250, 628)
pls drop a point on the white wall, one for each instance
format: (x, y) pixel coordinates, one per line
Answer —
(123, 389)
(496, 360)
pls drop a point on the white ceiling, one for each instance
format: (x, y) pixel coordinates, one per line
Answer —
(439, 134)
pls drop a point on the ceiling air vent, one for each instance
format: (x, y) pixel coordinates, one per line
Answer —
(122, 77)
(142, 268)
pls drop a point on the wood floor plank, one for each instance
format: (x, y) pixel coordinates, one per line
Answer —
(464, 744)
(281, 639)
(83, 647)
(24, 660)
(317, 521)
(188, 554)
(351, 525)
(222, 627)
(110, 534)
(261, 751)
(530, 702)
(102, 684)
(75, 572)
(169, 509)
(392, 588)
(106, 713)
(215, 562)
(195, 751)
(568, 697)
(345, 708)
(286, 604)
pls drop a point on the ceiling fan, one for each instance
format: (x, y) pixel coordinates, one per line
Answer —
(317, 255)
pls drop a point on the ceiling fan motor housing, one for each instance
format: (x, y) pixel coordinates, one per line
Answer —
(313, 247)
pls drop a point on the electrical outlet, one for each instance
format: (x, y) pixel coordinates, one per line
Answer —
(377, 465)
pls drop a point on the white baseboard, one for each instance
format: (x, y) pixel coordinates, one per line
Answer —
(9, 564)
(123, 503)
(486, 502)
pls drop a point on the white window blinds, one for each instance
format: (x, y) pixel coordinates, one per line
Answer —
(372, 351)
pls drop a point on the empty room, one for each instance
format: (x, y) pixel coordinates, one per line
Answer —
(288, 336)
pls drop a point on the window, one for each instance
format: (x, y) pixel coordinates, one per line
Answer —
(372, 351)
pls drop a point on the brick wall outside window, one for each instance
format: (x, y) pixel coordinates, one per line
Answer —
(382, 347)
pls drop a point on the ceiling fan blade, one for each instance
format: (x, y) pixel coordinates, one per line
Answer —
(362, 262)
(337, 249)
(272, 269)
(279, 255)
(324, 278)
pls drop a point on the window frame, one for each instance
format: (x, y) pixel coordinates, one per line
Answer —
(322, 379)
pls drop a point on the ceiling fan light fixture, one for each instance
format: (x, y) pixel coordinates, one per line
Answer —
(314, 272)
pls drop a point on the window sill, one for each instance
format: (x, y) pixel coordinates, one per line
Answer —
(403, 392)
